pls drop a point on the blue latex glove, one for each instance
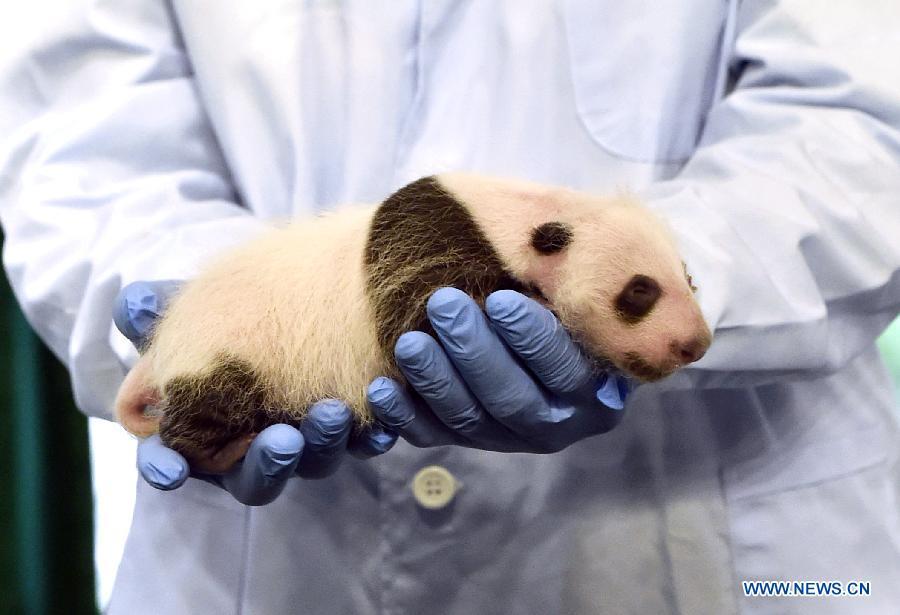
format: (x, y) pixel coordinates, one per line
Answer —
(509, 381)
(276, 454)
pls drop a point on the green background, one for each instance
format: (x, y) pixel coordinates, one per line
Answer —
(46, 561)
(46, 525)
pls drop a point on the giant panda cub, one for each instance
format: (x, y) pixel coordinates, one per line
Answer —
(312, 310)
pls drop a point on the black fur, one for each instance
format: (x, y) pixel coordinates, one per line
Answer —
(423, 238)
(551, 237)
(201, 415)
(637, 298)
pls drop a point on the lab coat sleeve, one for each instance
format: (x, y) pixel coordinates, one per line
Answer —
(109, 173)
(788, 213)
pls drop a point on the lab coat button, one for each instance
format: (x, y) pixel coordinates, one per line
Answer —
(434, 487)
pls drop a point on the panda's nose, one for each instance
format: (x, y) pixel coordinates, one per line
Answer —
(688, 351)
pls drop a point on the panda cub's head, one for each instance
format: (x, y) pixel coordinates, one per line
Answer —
(607, 267)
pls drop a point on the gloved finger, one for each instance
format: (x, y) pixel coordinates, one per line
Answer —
(138, 305)
(400, 412)
(326, 430)
(263, 473)
(538, 338)
(613, 390)
(371, 442)
(430, 372)
(159, 465)
(490, 370)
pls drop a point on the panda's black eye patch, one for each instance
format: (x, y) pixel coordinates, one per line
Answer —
(551, 237)
(637, 298)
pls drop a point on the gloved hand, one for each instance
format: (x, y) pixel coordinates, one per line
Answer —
(276, 454)
(509, 381)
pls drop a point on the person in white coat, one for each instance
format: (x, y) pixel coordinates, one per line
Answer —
(139, 138)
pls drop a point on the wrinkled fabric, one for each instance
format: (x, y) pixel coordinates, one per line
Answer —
(138, 139)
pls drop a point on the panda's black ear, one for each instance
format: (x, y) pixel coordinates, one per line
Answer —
(551, 237)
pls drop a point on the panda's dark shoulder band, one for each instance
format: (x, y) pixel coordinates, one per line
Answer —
(426, 221)
(423, 206)
(422, 238)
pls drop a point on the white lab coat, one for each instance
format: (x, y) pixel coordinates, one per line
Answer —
(139, 138)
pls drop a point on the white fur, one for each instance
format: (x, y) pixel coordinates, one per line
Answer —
(291, 303)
